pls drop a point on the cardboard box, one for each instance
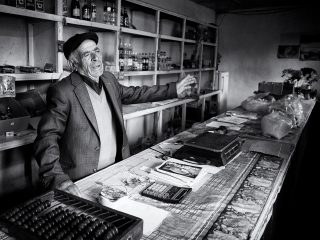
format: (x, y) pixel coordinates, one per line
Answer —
(276, 89)
(31, 5)
(17, 124)
(33, 103)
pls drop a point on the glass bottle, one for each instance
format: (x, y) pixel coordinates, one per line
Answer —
(142, 62)
(153, 60)
(135, 62)
(139, 62)
(125, 18)
(113, 19)
(150, 62)
(121, 18)
(93, 11)
(121, 57)
(85, 11)
(125, 63)
(130, 58)
(75, 9)
(146, 62)
(65, 8)
(107, 13)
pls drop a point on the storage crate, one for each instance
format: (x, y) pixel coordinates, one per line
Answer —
(276, 89)
(33, 103)
(17, 124)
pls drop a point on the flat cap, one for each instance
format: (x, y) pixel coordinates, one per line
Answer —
(74, 42)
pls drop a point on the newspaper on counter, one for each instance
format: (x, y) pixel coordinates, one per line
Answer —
(187, 173)
(242, 114)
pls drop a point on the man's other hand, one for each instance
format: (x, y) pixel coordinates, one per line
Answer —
(183, 85)
(70, 187)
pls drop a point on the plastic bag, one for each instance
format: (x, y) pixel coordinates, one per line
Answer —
(259, 103)
(291, 106)
(276, 124)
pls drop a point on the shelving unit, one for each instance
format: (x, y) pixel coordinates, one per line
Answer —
(156, 30)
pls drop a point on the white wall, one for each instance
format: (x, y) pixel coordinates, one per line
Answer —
(248, 45)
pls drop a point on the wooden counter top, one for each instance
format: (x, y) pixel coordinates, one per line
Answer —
(236, 202)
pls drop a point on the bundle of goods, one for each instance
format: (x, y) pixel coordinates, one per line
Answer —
(286, 113)
(259, 103)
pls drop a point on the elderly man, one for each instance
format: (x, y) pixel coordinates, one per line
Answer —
(82, 129)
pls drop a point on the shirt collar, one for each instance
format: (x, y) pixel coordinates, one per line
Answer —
(97, 87)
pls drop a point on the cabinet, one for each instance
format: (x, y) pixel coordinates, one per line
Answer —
(30, 38)
(152, 30)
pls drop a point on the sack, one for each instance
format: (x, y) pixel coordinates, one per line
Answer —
(259, 103)
(276, 124)
(291, 106)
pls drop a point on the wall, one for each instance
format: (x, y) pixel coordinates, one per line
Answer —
(248, 47)
(186, 8)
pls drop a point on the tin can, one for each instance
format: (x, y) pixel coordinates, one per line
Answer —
(31, 4)
(21, 4)
(39, 5)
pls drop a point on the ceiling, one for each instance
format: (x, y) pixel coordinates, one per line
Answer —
(229, 6)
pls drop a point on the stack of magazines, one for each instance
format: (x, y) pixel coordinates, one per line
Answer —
(179, 173)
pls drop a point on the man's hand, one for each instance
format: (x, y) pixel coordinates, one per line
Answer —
(70, 187)
(183, 85)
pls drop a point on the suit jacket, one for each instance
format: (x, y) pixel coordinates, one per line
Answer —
(68, 144)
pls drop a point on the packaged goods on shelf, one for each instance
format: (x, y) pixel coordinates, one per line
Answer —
(35, 5)
(30, 69)
(33, 103)
(110, 67)
(40, 5)
(48, 68)
(7, 69)
(21, 118)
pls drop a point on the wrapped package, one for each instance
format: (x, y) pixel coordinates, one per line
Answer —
(276, 124)
(291, 106)
(259, 103)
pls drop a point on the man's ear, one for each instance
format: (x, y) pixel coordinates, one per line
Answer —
(73, 64)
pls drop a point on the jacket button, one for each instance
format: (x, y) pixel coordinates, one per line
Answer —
(97, 148)
(94, 170)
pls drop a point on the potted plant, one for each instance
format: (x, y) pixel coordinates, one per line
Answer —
(301, 80)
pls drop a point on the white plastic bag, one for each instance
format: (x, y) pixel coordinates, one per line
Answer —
(276, 124)
(259, 103)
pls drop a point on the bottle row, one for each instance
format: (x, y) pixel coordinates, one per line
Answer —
(133, 61)
(89, 12)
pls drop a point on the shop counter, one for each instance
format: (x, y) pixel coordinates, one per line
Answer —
(234, 203)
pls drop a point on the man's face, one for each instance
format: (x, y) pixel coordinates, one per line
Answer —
(90, 60)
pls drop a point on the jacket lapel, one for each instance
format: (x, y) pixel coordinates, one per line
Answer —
(114, 102)
(83, 96)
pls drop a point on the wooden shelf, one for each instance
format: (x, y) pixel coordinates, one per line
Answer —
(164, 37)
(210, 44)
(138, 73)
(88, 24)
(33, 76)
(148, 108)
(168, 72)
(138, 32)
(189, 41)
(30, 14)
(26, 137)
